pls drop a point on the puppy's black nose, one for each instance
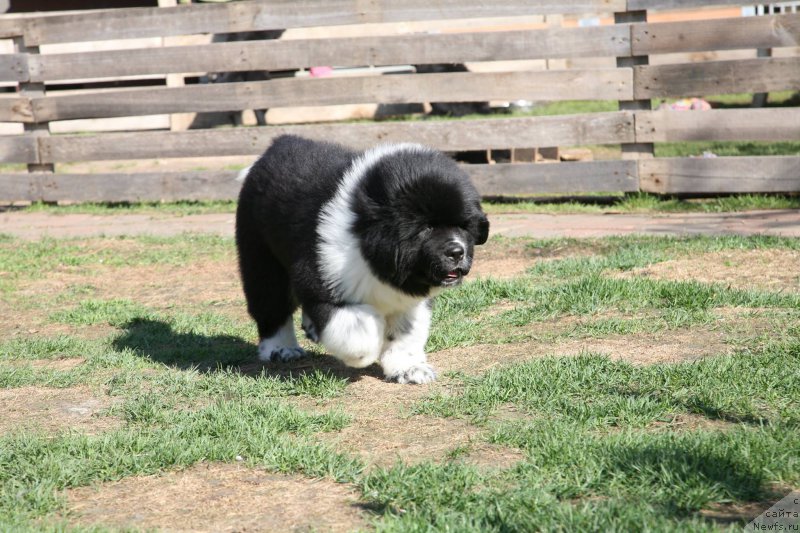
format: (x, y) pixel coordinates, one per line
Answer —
(454, 251)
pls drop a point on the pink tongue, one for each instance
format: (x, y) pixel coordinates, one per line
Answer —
(452, 274)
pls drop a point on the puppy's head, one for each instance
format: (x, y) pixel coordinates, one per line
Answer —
(419, 219)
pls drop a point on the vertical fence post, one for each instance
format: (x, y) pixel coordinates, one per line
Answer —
(32, 90)
(760, 99)
(634, 151)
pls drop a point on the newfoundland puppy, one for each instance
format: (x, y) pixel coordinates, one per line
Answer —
(362, 241)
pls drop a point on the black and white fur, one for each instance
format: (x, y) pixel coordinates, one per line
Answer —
(362, 241)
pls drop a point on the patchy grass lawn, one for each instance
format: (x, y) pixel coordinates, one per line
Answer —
(603, 384)
(607, 203)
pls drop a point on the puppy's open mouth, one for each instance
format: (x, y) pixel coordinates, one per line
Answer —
(453, 278)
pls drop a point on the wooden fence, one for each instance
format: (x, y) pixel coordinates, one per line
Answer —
(633, 82)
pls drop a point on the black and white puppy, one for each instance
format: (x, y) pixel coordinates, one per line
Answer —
(361, 241)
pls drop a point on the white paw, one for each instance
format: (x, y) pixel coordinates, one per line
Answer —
(354, 335)
(284, 355)
(415, 374)
(268, 352)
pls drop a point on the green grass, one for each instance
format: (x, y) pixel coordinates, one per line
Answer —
(643, 203)
(727, 149)
(26, 260)
(594, 393)
(601, 444)
(585, 426)
(164, 208)
(612, 203)
(572, 480)
(580, 286)
(34, 469)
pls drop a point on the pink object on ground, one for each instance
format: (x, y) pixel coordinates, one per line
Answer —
(687, 104)
(320, 72)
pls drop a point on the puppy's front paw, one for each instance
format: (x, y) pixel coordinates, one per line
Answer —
(284, 355)
(416, 374)
(354, 335)
(279, 354)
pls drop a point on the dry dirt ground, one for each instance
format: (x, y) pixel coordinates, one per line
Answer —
(382, 431)
(772, 270)
(221, 497)
(52, 410)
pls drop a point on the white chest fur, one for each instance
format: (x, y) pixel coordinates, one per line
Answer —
(343, 267)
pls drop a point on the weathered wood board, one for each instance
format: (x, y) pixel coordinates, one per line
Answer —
(555, 178)
(594, 84)
(16, 109)
(569, 130)
(720, 175)
(600, 176)
(279, 14)
(717, 77)
(343, 52)
(724, 34)
(766, 124)
(19, 149)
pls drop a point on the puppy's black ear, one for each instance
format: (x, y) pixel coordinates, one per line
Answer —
(482, 233)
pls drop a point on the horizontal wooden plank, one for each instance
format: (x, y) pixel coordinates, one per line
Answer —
(722, 34)
(11, 27)
(18, 188)
(590, 176)
(720, 175)
(144, 187)
(767, 124)
(595, 128)
(14, 67)
(717, 77)
(277, 14)
(491, 180)
(595, 84)
(16, 109)
(18, 149)
(359, 51)
(681, 4)
(665, 176)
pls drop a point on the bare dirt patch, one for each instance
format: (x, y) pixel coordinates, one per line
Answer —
(158, 286)
(61, 365)
(727, 514)
(744, 323)
(509, 258)
(500, 268)
(671, 346)
(53, 410)
(773, 270)
(691, 422)
(642, 348)
(19, 321)
(386, 440)
(219, 497)
(492, 456)
(383, 429)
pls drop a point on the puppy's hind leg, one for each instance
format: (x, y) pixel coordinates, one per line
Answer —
(269, 302)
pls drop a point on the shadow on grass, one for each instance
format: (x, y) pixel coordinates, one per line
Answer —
(686, 471)
(693, 405)
(159, 342)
